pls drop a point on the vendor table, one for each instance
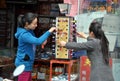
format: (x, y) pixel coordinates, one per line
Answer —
(59, 61)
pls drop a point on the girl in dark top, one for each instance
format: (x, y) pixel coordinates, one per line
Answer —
(97, 47)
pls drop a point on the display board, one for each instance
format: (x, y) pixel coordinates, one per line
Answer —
(64, 26)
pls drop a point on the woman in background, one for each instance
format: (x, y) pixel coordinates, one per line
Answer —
(97, 47)
(27, 43)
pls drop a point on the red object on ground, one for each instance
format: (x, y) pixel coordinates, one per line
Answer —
(85, 68)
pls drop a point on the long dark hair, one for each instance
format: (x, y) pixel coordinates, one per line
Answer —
(28, 17)
(95, 27)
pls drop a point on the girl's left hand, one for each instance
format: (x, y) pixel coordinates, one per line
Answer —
(62, 43)
(81, 34)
